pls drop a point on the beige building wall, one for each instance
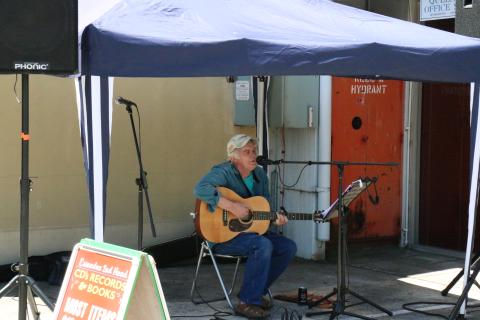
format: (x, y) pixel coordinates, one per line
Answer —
(185, 124)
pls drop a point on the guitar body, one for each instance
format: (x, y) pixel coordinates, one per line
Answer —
(221, 225)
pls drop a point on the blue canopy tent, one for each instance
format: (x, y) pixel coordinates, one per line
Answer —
(191, 38)
(187, 38)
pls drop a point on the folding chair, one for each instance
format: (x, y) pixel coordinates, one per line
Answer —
(207, 251)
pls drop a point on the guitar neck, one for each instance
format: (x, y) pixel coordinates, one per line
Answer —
(272, 215)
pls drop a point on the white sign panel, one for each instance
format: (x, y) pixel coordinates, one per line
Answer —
(242, 90)
(437, 9)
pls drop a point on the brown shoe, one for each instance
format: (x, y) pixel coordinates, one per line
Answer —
(267, 303)
(251, 311)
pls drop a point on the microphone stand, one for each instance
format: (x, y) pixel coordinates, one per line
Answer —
(342, 289)
(142, 184)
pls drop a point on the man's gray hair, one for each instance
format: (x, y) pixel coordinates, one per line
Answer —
(237, 142)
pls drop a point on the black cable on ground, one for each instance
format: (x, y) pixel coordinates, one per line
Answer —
(284, 313)
(292, 316)
(215, 316)
(406, 306)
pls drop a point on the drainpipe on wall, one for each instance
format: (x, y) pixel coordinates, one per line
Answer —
(406, 163)
(407, 123)
(324, 137)
(260, 123)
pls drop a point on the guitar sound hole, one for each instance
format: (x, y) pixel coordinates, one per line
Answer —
(238, 225)
(246, 219)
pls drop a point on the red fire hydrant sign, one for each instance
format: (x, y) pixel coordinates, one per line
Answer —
(108, 282)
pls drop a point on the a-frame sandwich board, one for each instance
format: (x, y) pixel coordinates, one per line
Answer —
(109, 282)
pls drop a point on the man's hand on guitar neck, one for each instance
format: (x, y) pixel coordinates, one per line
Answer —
(237, 208)
(281, 219)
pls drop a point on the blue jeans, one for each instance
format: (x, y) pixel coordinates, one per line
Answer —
(268, 256)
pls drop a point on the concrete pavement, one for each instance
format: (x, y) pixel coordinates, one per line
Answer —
(387, 275)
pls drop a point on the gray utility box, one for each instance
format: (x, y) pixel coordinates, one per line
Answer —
(244, 107)
(294, 101)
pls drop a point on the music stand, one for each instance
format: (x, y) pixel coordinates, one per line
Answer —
(338, 209)
(349, 194)
(341, 290)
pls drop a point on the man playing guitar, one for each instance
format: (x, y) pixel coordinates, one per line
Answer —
(268, 255)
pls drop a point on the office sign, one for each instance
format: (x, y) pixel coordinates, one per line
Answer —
(437, 9)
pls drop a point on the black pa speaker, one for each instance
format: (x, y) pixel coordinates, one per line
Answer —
(39, 36)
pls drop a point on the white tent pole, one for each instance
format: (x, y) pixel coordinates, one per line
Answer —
(324, 138)
(110, 99)
(97, 159)
(475, 161)
(94, 101)
(81, 97)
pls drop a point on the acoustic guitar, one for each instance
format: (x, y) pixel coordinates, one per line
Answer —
(222, 225)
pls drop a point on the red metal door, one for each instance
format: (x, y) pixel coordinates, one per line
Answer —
(444, 165)
(367, 126)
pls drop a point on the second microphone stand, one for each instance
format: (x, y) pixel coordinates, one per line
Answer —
(342, 289)
(142, 184)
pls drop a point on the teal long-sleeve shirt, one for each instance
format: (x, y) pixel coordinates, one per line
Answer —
(227, 175)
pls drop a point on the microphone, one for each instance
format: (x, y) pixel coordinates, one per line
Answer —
(120, 100)
(264, 161)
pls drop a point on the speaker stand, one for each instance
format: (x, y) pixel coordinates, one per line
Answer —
(31, 287)
(24, 282)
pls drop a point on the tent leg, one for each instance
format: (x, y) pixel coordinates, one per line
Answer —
(460, 308)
